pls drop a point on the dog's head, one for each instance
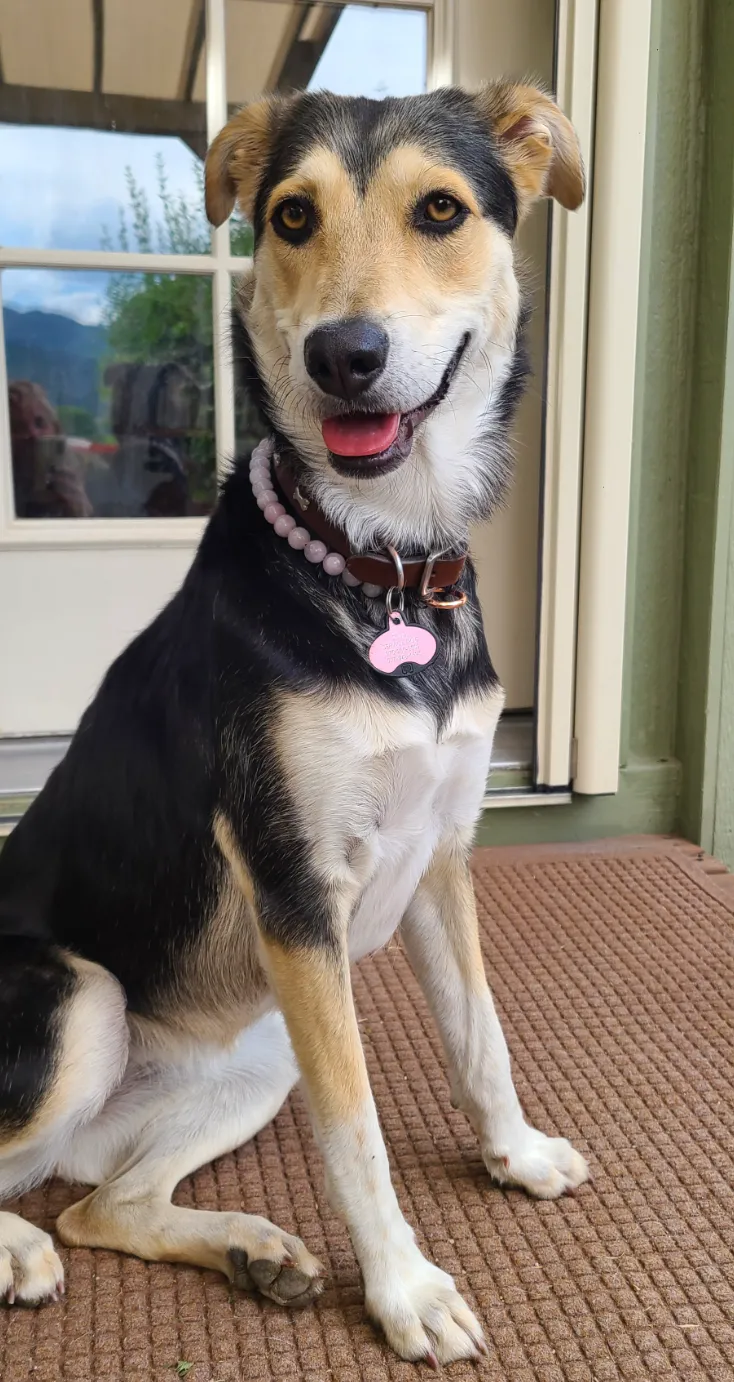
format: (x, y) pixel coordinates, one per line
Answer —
(382, 314)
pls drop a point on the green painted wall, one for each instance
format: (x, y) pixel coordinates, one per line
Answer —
(650, 774)
(705, 703)
(719, 761)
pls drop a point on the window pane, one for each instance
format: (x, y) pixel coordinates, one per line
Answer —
(374, 52)
(350, 49)
(103, 125)
(110, 392)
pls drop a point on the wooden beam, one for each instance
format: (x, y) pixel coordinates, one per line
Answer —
(98, 32)
(291, 30)
(195, 33)
(302, 58)
(92, 110)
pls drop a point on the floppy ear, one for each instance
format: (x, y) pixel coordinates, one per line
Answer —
(537, 142)
(236, 159)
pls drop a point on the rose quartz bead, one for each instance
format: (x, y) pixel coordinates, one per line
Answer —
(284, 525)
(372, 590)
(273, 511)
(315, 551)
(298, 537)
(262, 482)
(260, 472)
(334, 564)
(268, 496)
(349, 579)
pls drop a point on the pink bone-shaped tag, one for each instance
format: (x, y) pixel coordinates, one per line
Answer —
(402, 648)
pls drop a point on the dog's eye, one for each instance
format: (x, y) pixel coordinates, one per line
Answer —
(293, 220)
(439, 211)
(442, 209)
(293, 215)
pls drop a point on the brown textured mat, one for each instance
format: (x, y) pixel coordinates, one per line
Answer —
(613, 968)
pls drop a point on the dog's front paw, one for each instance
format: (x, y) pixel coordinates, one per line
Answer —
(30, 1270)
(422, 1314)
(544, 1166)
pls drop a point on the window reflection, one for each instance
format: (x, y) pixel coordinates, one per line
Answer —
(112, 416)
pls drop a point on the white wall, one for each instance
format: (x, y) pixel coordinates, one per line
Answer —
(497, 39)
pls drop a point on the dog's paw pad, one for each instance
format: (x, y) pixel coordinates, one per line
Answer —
(294, 1279)
(293, 1287)
(240, 1274)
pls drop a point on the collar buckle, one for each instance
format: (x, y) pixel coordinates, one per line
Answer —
(452, 598)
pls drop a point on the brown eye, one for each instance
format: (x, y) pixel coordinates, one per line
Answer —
(293, 215)
(442, 209)
(293, 220)
(438, 213)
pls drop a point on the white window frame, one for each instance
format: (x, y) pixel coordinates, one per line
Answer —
(219, 266)
(592, 351)
(611, 365)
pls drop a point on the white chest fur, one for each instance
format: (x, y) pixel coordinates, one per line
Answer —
(376, 789)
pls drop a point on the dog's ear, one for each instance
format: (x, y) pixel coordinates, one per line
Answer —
(537, 142)
(236, 159)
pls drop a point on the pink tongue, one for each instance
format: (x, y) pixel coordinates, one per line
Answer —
(362, 434)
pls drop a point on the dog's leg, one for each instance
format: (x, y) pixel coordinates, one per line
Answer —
(441, 936)
(181, 1123)
(416, 1303)
(63, 1049)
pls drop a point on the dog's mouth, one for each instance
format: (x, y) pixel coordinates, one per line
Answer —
(372, 444)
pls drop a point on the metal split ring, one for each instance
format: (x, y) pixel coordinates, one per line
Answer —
(395, 595)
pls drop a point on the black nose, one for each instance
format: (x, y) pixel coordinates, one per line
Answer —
(345, 358)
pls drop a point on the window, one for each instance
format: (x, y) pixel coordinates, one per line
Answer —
(115, 292)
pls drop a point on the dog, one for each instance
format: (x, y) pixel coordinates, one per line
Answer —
(288, 764)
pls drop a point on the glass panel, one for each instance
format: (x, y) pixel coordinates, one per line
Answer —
(350, 49)
(103, 125)
(374, 52)
(110, 391)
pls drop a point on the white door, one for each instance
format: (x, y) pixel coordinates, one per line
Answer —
(120, 409)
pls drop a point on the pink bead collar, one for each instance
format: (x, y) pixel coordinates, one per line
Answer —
(286, 526)
(402, 649)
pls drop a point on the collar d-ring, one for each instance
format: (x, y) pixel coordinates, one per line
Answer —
(397, 563)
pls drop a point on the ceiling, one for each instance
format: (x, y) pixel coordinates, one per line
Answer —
(138, 66)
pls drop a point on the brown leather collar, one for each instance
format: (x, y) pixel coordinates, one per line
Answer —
(431, 575)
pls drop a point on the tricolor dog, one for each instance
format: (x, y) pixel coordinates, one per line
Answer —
(287, 765)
